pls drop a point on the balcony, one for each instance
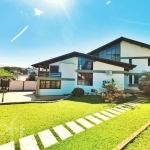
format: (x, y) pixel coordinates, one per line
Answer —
(50, 75)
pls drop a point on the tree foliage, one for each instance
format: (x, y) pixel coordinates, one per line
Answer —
(144, 83)
(31, 77)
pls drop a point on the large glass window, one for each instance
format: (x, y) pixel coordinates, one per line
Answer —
(111, 53)
(85, 64)
(85, 79)
(49, 84)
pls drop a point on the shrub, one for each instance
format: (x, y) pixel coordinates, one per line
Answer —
(110, 86)
(111, 92)
(144, 83)
(78, 92)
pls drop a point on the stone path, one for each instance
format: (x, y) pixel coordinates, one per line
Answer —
(62, 132)
(74, 127)
(28, 143)
(48, 138)
(85, 123)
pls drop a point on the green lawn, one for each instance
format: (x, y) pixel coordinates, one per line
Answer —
(32, 118)
(141, 142)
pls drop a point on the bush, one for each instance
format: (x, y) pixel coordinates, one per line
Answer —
(110, 86)
(111, 92)
(78, 92)
(144, 83)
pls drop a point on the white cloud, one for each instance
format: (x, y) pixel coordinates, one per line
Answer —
(19, 34)
(38, 12)
(108, 2)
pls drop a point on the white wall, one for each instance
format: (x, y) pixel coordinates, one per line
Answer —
(29, 85)
(67, 70)
(103, 66)
(16, 85)
(73, 60)
(49, 92)
(132, 50)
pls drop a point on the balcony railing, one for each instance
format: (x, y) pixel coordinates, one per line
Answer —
(50, 75)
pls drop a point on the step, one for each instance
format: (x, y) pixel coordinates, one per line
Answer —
(113, 111)
(62, 132)
(47, 138)
(85, 123)
(107, 114)
(8, 146)
(118, 109)
(74, 127)
(123, 108)
(101, 116)
(93, 119)
(28, 143)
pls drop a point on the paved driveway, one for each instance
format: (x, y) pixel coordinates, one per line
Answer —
(17, 97)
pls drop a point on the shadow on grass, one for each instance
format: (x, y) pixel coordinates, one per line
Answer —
(97, 99)
(92, 99)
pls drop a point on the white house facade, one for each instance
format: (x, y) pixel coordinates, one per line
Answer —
(76, 69)
(128, 51)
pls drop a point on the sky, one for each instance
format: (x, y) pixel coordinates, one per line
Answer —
(32, 31)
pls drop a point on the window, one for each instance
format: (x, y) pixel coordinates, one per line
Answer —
(49, 84)
(136, 79)
(130, 61)
(111, 53)
(148, 62)
(85, 64)
(85, 79)
(130, 79)
(54, 69)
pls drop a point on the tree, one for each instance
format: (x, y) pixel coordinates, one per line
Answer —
(31, 77)
(144, 82)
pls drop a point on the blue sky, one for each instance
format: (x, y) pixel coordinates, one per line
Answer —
(36, 30)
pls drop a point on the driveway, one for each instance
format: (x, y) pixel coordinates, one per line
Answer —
(17, 97)
(26, 97)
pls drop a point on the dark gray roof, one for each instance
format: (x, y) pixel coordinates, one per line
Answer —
(45, 64)
(117, 41)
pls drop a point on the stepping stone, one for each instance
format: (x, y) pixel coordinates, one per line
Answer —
(120, 110)
(93, 119)
(114, 112)
(8, 146)
(107, 114)
(62, 132)
(85, 123)
(74, 127)
(28, 143)
(142, 98)
(101, 116)
(47, 138)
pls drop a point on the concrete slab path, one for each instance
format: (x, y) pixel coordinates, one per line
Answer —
(8, 146)
(74, 127)
(47, 138)
(101, 116)
(93, 119)
(62, 132)
(85, 123)
(107, 114)
(28, 143)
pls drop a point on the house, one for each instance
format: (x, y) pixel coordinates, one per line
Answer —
(122, 59)
(128, 51)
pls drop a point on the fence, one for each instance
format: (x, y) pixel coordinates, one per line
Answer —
(22, 85)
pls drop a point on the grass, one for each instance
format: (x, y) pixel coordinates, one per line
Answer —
(26, 119)
(141, 142)
(29, 119)
(109, 133)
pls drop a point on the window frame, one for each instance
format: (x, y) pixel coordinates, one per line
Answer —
(50, 84)
(88, 77)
